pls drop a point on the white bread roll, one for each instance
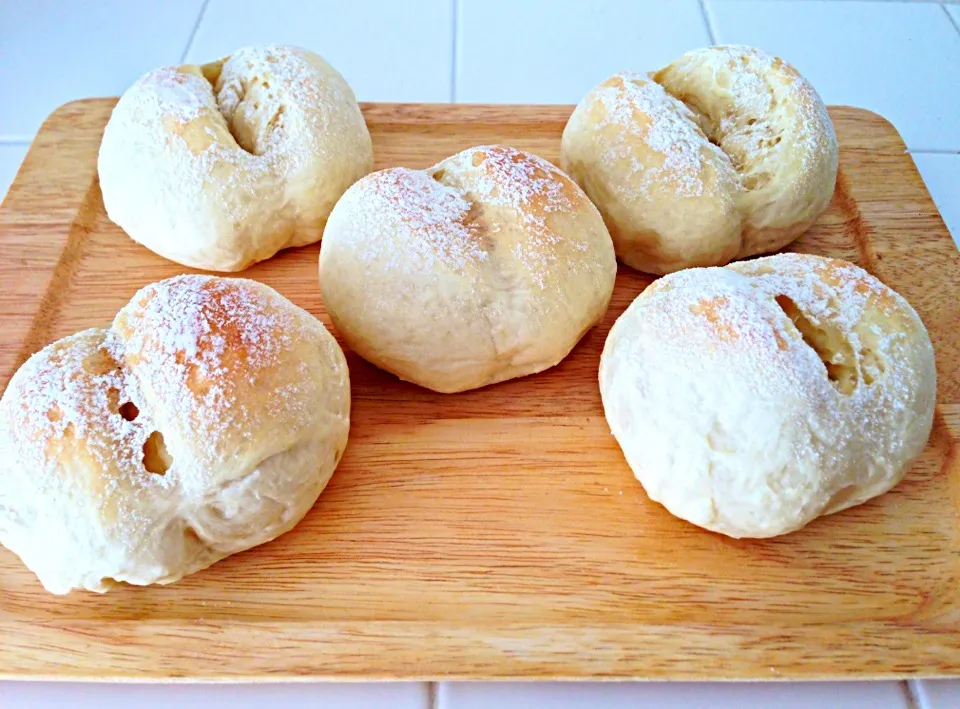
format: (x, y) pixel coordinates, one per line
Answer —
(490, 265)
(726, 153)
(751, 399)
(222, 165)
(206, 420)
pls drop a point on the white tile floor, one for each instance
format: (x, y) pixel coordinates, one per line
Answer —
(406, 695)
(562, 54)
(52, 52)
(954, 12)
(901, 59)
(389, 51)
(835, 695)
(937, 694)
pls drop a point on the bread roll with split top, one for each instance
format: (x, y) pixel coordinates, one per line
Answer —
(753, 398)
(204, 421)
(222, 165)
(726, 153)
(490, 265)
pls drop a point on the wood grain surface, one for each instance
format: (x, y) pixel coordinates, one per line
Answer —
(499, 533)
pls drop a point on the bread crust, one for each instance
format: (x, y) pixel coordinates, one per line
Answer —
(725, 153)
(222, 165)
(204, 421)
(490, 265)
(753, 398)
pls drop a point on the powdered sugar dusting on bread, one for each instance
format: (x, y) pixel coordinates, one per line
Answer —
(823, 287)
(178, 352)
(716, 311)
(141, 451)
(753, 398)
(193, 342)
(869, 324)
(226, 151)
(259, 90)
(641, 108)
(168, 93)
(769, 109)
(750, 85)
(486, 266)
(182, 346)
(532, 189)
(850, 328)
(64, 403)
(526, 183)
(426, 218)
(441, 215)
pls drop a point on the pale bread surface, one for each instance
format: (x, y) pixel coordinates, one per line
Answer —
(490, 265)
(728, 152)
(222, 165)
(204, 421)
(751, 399)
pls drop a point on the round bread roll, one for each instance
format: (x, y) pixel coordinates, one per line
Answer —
(206, 420)
(222, 165)
(490, 265)
(751, 399)
(726, 153)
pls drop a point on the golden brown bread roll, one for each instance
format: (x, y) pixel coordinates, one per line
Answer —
(726, 153)
(222, 165)
(206, 420)
(490, 265)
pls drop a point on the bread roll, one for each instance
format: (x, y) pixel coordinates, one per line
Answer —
(751, 399)
(726, 153)
(206, 420)
(490, 265)
(222, 165)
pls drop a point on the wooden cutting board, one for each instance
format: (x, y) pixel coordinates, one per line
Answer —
(499, 533)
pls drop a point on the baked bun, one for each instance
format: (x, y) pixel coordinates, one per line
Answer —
(754, 398)
(490, 265)
(726, 153)
(222, 165)
(206, 420)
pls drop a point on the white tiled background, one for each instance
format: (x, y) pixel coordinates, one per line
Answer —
(901, 59)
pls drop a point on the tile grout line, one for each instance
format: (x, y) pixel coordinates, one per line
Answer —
(953, 20)
(16, 139)
(433, 688)
(455, 48)
(193, 32)
(914, 700)
(706, 21)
